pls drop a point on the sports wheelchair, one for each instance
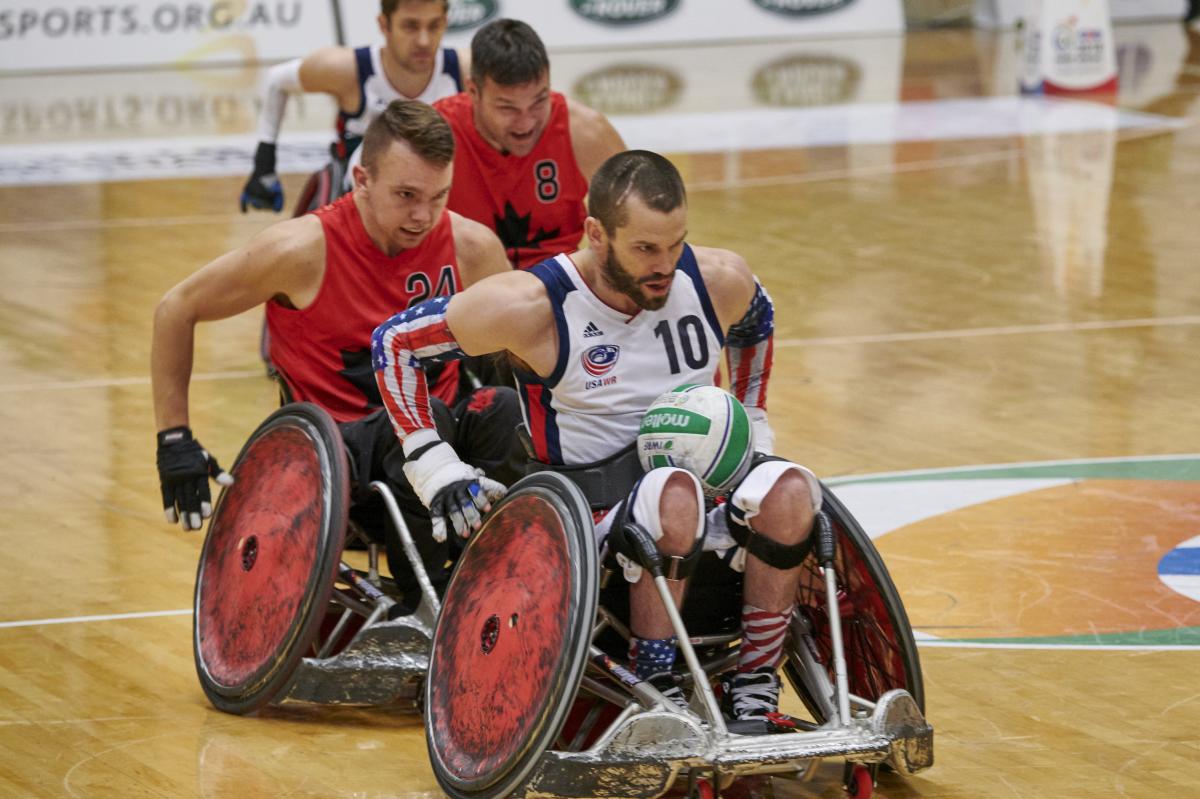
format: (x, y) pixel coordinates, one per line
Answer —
(520, 675)
(279, 616)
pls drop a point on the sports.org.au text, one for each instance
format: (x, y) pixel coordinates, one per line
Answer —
(57, 22)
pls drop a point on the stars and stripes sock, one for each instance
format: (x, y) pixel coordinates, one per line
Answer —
(652, 656)
(762, 638)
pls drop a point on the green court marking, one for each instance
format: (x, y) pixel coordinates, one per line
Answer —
(1181, 636)
(1168, 467)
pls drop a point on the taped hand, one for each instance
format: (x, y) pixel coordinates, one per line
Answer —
(456, 493)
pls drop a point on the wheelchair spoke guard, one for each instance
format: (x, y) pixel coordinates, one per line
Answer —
(881, 654)
(512, 638)
(269, 560)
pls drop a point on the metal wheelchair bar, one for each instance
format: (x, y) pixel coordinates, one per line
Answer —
(689, 654)
(410, 546)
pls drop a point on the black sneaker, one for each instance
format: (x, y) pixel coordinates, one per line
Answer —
(668, 687)
(752, 703)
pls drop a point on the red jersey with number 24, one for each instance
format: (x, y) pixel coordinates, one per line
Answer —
(323, 351)
(535, 203)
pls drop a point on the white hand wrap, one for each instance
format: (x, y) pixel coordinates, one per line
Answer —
(435, 469)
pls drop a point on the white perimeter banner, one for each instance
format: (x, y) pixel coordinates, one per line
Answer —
(47, 35)
(570, 24)
(1005, 13)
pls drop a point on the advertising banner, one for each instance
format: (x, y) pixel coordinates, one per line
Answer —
(568, 24)
(48, 35)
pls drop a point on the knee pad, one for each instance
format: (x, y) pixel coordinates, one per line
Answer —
(746, 502)
(641, 508)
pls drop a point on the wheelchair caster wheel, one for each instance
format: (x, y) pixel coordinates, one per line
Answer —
(701, 789)
(859, 782)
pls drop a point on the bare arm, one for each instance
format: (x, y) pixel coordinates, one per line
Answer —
(508, 312)
(729, 280)
(286, 259)
(593, 138)
(480, 253)
(334, 71)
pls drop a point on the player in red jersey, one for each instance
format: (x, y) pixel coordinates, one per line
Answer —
(327, 279)
(525, 153)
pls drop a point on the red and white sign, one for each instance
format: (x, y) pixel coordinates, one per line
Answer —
(1069, 48)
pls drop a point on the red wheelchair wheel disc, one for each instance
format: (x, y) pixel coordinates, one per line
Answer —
(259, 557)
(512, 639)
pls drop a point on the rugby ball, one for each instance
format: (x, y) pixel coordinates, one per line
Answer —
(703, 429)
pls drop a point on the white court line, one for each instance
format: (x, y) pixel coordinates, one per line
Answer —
(132, 222)
(147, 614)
(114, 382)
(974, 332)
(922, 641)
(1075, 647)
(880, 338)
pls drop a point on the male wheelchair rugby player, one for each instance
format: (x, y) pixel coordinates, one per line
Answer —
(529, 692)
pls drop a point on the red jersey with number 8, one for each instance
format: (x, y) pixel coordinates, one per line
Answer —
(535, 203)
(323, 351)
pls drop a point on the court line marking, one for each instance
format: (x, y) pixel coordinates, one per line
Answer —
(988, 467)
(117, 382)
(145, 614)
(878, 338)
(922, 642)
(975, 332)
(132, 222)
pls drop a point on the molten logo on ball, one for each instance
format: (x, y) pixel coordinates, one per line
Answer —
(703, 429)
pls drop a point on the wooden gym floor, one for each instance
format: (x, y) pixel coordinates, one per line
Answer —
(953, 297)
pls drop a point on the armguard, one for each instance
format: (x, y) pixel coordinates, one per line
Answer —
(281, 80)
(400, 347)
(749, 350)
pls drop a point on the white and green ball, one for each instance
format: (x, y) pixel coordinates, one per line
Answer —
(703, 429)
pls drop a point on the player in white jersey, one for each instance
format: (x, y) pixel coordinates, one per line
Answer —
(597, 336)
(410, 65)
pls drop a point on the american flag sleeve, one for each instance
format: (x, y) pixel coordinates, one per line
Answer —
(749, 350)
(399, 349)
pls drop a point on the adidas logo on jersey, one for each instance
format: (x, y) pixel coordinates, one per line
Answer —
(591, 331)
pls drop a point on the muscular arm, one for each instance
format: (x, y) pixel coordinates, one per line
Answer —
(480, 253)
(286, 259)
(593, 138)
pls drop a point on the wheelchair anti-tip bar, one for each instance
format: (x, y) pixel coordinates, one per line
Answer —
(826, 545)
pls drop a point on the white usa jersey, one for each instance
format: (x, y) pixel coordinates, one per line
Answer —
(611, 366)
(377, 92)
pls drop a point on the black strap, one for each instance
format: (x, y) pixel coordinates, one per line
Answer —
(766, 549)
(604, 482)
(625, 535)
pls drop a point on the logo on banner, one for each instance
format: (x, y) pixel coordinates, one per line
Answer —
(803, 81)
(623, 12)
(802, 8)
(629, 89)
(467, 14)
